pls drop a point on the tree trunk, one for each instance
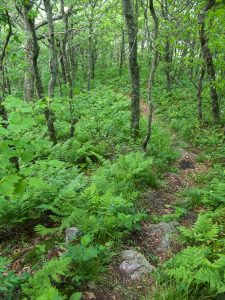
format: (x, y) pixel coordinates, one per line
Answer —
(153, 68)
(168, 49)
(3, 113)
(62, 64)
(29, 76)
(147, 35)
(53, 53)
(30, 28)
(199, 93)
(209, 61)
(131, 23)
(63, 49)
(90, 53)
(122, 52)
(4, 89)
(68, 69)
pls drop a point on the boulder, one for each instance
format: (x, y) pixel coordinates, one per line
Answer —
(72, 233)
(134, 265)
(161, 237)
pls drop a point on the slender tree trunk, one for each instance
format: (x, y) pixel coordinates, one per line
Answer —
(7, 81)
(168, 48)
(59, 84)
(62, 64)
(3, 113)
(73, 62)
(29, 76)
(30, 28)
(53, 53)
(146, 28)
(209, 61)
(3, 82)
(153, 68)
(68, 69)
(168, 60)
(131, 23)
(122, 52)
(63, 49)
(90, 52)
(199, 93)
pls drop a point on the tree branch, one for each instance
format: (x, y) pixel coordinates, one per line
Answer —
(54, 18)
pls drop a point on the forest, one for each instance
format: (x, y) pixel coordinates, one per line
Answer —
(112, 149)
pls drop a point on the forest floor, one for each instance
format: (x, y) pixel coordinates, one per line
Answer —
(160, 205)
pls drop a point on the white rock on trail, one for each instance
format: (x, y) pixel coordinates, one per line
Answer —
(162, 233)
(135, 265)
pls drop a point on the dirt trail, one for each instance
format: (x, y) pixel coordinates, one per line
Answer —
(187, 168)
(158, 202)
(144, 108)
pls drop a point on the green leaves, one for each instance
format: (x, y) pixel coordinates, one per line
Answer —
(9, 281)
(76, 296)
(41, 282)
(7, 184)
(85, 240)
(204, 230)
(192, 268)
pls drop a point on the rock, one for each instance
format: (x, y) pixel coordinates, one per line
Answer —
(88, 296)
(72, 233)
(161, 236)
(135, 265)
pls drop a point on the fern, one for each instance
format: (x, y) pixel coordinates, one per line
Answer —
(204, 230)
(50, 294)
(9, 281)
(192, 267)
(41, 281)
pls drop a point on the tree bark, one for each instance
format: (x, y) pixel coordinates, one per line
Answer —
(207, 55)
(53, 53)
(122, 52)
(63, 49)
(90, 52)
(30, 28)
(199, 93)
(3, 112)
(29, 76)
(167, 48)
(153, 68)
(147, 35)
(68, 69)
(61, 59)
(131, 23)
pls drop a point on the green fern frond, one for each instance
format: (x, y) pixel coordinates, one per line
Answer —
(42, 280)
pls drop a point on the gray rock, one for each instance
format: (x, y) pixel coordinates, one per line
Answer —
(72, 233)
(161, 235)
(135, 265)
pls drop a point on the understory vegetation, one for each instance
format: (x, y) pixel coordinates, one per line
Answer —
(130, 86)
(92, 182)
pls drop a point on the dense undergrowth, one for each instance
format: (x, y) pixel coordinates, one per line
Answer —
(197, 272)
(91, 181)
